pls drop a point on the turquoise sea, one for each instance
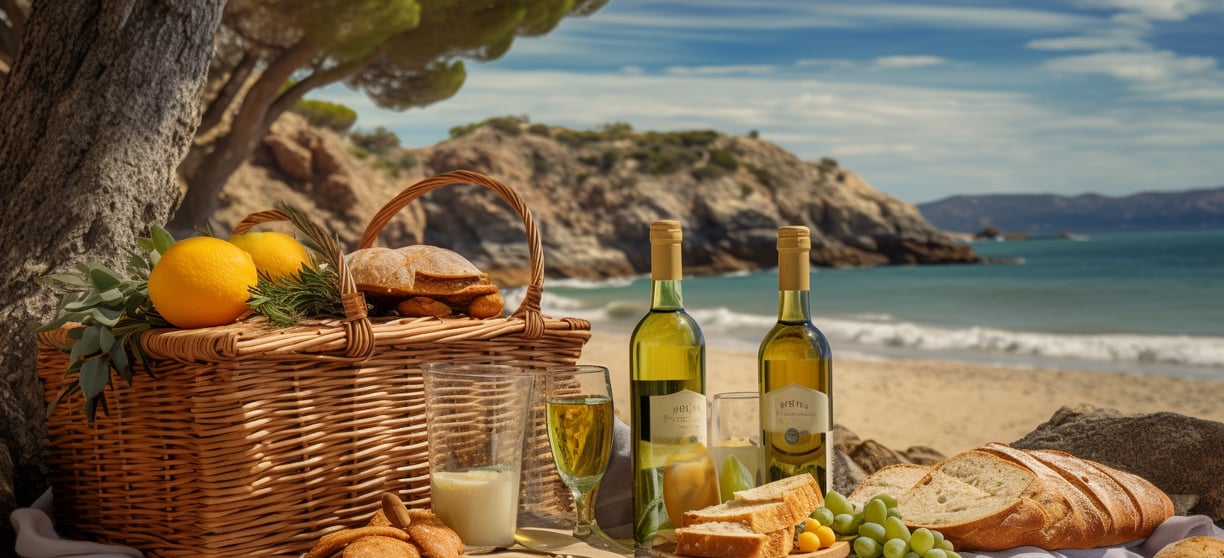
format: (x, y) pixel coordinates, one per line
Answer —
(1149, 303)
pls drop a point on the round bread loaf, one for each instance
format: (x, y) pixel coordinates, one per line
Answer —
(1193, 547)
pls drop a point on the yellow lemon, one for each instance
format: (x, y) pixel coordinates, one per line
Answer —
(202, 281)
(276, 254)
(689, 482)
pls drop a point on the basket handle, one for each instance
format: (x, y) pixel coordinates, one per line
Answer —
(529, 309)
(358, 331)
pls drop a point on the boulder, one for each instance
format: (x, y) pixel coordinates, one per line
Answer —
(293, 158)
(1182, 455)
(854, 458)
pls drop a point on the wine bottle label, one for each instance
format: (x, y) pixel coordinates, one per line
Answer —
(678, 417)
(795, 411)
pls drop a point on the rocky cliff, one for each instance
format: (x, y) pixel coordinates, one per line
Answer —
(593, 195)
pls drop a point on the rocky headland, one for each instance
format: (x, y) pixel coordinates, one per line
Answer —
(593, 194)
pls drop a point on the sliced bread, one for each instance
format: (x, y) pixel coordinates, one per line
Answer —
(800, 493)
(970, 497)
(893, 480)
(728, 539)
(760, 517)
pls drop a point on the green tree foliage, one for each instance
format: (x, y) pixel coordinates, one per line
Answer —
(379, 141)
(400, 53)
(324, 114)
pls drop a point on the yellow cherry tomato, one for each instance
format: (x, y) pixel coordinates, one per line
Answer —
(810, 525)
(808, 542)
(826, 535)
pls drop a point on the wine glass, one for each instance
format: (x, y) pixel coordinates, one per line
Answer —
(580, 422)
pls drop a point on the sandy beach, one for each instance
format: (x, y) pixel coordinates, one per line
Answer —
(948, 406)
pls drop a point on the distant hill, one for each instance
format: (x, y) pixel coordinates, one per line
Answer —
(1048, 214)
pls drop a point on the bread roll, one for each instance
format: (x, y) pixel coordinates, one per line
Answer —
(1193, 547)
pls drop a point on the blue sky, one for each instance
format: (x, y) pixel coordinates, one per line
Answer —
(924, 99)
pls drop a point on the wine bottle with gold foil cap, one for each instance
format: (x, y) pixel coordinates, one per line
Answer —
(795, 372)
(667, 393)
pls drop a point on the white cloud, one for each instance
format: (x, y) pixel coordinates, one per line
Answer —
(743, 69)
(1166, 10)
(943, 16)
(1099, 42)
(1161, 67)
(892, 62)
(833, 63)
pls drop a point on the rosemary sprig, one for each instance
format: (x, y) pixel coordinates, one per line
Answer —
(312, 292)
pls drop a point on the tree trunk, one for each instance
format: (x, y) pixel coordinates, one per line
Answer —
(228, 93)
(228, 152)
(100, 107)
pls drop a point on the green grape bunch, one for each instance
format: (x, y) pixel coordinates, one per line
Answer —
(877, 529)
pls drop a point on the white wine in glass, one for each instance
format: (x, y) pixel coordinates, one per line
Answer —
(580, 423)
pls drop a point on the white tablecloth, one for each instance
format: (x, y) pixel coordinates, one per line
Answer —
(1174, 529)
(36, 538)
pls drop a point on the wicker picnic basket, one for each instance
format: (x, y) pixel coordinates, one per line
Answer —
(255, 441)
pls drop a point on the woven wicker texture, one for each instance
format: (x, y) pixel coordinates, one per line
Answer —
(254, 441)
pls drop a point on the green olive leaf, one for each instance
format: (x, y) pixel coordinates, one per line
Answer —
(106, 339)
(162, 240)
(63, 279)
(95, 374)
(106, 316)
(103, 278)
(87, 345)
(119, 361)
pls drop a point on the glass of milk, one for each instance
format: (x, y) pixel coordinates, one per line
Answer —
(476, 418)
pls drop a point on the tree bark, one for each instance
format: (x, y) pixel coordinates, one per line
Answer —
(98, 111)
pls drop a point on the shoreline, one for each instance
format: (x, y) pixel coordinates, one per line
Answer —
(945, 405)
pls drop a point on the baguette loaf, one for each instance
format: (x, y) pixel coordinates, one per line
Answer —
(731, 539)
(996, 497)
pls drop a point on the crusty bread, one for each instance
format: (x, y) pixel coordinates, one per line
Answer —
(800, 493)
(380, 547)
(1199, 546)
(760, 517)
(970, 496)
(891, 479)
(1073, 519)
(996, 497)
(732, 539)
(1106, 493)
(416, 270)
(1152, 505)
(757, 523)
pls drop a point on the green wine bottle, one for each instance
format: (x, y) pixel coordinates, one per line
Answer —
(667, 387)
(795, 371)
